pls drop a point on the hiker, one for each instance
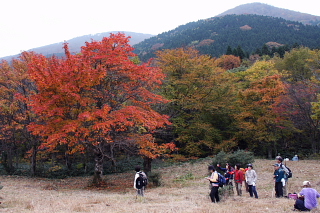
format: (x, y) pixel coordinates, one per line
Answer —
(140, 181)
(228, 173)
(279, 180)
(228, 167)
(307, 198)
(214, 184)
(251, 179)
(295, 158)
(238, 179)
(279, 160)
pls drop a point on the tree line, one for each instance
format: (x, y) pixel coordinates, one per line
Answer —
(103, 105)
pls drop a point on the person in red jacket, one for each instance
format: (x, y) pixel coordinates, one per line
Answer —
(238, 179)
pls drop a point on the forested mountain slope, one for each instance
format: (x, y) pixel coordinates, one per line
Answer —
(212, 36)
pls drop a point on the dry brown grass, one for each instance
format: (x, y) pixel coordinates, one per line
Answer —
(184, 190)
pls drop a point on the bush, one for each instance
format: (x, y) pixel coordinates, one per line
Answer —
(221, 158)
(155, 179)
(238, 157)
(188, 176)
(225, 192)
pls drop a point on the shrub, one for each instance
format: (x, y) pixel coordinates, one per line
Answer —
(241, 157)
(221, 158)
(155, 179)
(188, 176)
(225, 192)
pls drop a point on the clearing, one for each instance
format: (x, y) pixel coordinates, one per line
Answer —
(184, 189)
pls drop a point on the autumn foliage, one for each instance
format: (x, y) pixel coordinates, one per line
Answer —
(103, 105)
(97, 98)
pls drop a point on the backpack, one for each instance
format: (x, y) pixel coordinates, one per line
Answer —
(142, 180)
(221, 180)
(289, 175)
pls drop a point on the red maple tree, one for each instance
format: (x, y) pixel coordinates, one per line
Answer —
(97, 98)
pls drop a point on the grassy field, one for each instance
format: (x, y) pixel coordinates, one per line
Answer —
(184, 190)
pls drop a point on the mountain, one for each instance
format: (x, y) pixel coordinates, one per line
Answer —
(76, 43)
(268, 10)
(213, 36)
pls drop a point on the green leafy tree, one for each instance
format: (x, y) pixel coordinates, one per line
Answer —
(199, 92)
(295, 64)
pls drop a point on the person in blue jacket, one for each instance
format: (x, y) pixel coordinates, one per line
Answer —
(279, 176)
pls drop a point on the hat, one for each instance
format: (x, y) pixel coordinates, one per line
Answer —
(249, 165)
(277, 165)
(306, 183)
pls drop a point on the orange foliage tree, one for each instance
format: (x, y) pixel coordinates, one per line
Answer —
(97, 99)
(228, 62)
(260, 123)
(15, 114)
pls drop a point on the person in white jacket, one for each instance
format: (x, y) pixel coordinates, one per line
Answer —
(251, 179)
(139, 183)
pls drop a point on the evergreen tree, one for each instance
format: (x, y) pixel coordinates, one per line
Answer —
(229, 51)
(258, 52)
(240, 52)
(265, 50)
(273, 51)
(235, 52)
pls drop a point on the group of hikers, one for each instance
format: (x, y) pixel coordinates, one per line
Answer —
(236, 176)
(306, 200)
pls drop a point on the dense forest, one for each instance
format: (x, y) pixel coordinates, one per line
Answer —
(94, 112)
(212, 36)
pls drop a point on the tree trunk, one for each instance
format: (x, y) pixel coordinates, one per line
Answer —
(33, 160)
(270, 153)
(7, 160)
(147, 164)
(68, 162)
(98, 170)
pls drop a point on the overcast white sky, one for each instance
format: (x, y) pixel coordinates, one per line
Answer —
(26, 24)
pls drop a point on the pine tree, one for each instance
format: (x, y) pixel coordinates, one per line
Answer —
(229, 51)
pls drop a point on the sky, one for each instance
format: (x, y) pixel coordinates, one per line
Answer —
(27, 24)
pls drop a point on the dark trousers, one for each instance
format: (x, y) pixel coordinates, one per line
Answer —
(279, 189)
(140, 192)
(253, 190)
(300, 205)
(214, 194)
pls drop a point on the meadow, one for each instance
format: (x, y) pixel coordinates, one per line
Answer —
(183, 189)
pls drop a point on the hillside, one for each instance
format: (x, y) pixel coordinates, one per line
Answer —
(212, 36)
(268, 10)
(76, 43)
